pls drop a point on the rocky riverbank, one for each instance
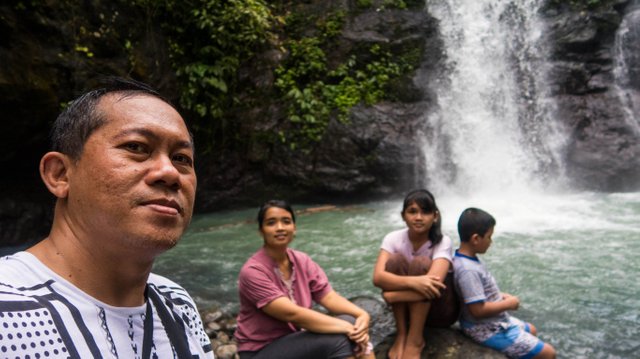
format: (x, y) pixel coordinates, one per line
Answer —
(444, 343)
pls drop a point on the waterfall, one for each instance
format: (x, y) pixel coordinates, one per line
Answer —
(493, 129)
(627, 64)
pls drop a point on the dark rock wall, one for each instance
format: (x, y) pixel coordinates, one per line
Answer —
(604, 146)
(52, 51)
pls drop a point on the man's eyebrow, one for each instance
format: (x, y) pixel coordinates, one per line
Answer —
(150, 134)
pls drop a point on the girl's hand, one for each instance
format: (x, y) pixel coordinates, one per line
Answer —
(428, 285)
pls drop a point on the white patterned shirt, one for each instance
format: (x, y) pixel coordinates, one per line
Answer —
(42, 315)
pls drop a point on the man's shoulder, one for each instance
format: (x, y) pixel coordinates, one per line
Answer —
(166, 286)
(18, 269)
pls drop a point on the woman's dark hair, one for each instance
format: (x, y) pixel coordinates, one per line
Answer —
(278, 203)
(474, 221)
(425, 200)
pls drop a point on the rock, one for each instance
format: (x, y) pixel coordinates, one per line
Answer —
(447, 343)
(227, 351)
(52, 51)
(603, 145)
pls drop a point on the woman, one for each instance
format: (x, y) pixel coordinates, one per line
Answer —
(277, 286)
(412, 270)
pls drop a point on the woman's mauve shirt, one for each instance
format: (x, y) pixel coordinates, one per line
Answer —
(259, 283)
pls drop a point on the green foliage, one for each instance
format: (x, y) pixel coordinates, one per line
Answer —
(316, 93)
(398, 4)
(364, 4)
(209, 40)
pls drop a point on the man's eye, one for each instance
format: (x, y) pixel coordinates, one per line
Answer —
(135, 147)
(183, 159)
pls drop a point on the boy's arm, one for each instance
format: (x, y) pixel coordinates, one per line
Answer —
(481, 310)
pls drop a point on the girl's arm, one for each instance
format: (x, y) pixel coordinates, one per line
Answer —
(428, 285)
(285, 310)
(489, 309)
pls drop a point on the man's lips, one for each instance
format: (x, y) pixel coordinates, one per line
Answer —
(164, 205)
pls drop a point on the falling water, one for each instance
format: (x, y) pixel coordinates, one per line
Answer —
(493, 130)
(627, 65)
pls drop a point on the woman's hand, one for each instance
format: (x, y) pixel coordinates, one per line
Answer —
(360, 333)
(428, 285)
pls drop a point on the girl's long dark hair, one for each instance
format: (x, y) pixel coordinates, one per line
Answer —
(425, 200)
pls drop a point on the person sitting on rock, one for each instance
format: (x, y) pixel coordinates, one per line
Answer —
(277, 288)
(413, 272)
(485, 317)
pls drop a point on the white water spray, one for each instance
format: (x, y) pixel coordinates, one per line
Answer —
(493, 131)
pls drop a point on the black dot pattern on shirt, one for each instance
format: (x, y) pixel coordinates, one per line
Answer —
(192, 319)
(30, 334)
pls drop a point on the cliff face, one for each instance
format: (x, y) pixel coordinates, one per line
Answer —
(603, 149)
(52, 51)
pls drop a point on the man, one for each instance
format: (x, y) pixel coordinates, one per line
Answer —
(121, 169)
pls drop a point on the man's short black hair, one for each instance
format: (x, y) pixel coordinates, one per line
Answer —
(474, 221)
(81, 118)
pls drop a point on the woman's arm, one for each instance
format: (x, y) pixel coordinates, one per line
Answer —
(428, 285)
(337, 304)
(285, 310)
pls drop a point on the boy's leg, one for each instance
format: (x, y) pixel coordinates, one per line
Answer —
(547, 352)
(517, 342)
(398, 264)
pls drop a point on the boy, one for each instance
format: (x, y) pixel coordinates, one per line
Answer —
(484, 315)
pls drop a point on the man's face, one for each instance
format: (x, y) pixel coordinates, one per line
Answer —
(134, 183)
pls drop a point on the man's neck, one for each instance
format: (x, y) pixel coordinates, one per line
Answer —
(119, 282)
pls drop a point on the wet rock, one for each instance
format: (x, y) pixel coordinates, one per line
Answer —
(447, 343)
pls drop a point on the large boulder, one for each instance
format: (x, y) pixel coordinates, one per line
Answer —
(441, 343)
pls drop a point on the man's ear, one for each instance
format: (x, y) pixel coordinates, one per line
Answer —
(54, 168)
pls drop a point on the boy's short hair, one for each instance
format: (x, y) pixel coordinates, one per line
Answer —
(474, 221)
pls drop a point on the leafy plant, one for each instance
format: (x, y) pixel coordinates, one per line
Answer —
(209, 40)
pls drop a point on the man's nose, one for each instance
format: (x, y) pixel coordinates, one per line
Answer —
(163, 171)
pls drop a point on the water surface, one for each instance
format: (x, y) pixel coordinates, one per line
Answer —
(571, 258)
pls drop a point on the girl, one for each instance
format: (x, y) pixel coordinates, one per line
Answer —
(277, 286)
(411, 270)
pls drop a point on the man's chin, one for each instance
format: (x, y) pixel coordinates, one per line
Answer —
(154, 245)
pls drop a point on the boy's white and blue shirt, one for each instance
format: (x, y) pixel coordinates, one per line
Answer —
(475, 284)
